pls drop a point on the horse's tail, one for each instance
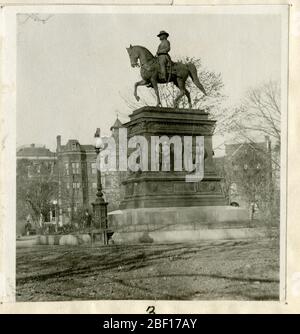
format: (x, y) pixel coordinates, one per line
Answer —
(193, 74)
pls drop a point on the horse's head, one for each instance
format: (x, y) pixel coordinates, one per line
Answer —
(133, 55)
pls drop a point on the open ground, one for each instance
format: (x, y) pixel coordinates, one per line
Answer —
(206, 270)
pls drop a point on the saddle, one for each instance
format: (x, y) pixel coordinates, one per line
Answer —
(170, 68)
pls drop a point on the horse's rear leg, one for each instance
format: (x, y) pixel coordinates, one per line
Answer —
(181, 86)
(188, 95)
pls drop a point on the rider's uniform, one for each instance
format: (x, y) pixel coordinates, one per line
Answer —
(163, 56)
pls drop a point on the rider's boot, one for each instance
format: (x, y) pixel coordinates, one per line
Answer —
(163, 73)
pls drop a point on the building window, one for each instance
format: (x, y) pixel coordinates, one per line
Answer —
(76, 185)
(36, 168)
(233, 187)
(28, 171)
(67, 169)
(93, 166)
(76, 206)
(52, 167)
(94, 185)
(75, 167)
(68, 185)
(107, 182)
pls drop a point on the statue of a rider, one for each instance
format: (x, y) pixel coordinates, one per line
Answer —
(163, 53)
(160, 69)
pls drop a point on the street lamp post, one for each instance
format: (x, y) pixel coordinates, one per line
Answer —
(56, 213)
(100, 206)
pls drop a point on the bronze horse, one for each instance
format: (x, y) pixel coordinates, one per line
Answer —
(150, 73)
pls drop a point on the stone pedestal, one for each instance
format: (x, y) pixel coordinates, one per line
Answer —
(160, 206)
(170, 189)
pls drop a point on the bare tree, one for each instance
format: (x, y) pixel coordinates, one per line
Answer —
(35, 190)
(38, 195)
(260, 113)
(224, 169)
(247, 178)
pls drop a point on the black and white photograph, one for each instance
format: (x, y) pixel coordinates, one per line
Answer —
(150, 153)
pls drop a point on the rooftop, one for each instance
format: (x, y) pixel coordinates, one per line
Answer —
(118, 124)
(233, 149)
(35, 151)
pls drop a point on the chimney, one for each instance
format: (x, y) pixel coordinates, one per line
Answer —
(58, 143)
(32, 145)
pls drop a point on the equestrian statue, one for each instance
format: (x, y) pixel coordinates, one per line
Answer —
(161, 70)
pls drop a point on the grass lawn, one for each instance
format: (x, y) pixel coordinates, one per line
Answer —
(206, 270)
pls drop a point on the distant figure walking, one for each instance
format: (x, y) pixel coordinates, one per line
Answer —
(28, 225)
(41, 223)
(253, 209)
(88, 218)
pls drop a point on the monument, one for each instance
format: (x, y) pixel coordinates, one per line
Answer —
(160, 205)
(170, 188)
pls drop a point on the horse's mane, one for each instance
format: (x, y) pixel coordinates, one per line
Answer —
(145, 49)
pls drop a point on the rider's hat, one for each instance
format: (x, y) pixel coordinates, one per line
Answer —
(163, 33)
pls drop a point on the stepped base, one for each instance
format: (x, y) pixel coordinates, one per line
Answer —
(174, 224)
(187, 235)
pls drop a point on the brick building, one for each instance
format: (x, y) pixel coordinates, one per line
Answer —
(249, 174)
(77, 177)
(34, 161)
(73, 168)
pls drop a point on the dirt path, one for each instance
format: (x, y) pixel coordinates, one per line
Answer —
(243, 270)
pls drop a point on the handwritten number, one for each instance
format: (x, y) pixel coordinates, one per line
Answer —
(151, 310)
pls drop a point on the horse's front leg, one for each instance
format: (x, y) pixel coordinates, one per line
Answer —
(139, 83)
(155, 87)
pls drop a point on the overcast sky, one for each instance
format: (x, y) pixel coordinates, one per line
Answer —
(73, 69)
